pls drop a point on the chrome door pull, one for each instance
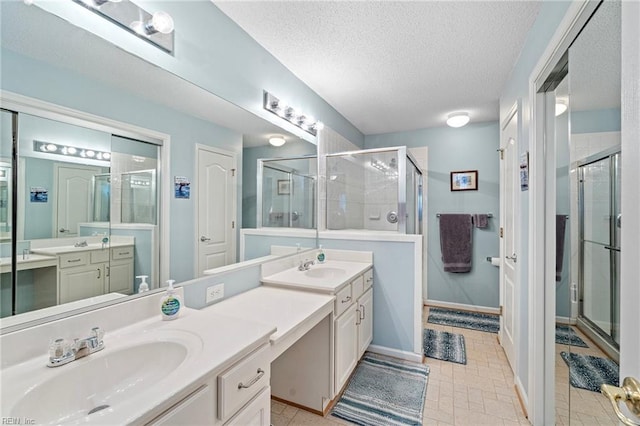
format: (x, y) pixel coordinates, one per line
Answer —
(611, 248)
(513, 257)
(203, 238)
(252, 381)
(628, 393)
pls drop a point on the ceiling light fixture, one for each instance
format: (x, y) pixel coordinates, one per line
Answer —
(292, 115)
(458, 119)
(156, 28)
(277, 141)
(69, 151)
(561, 107)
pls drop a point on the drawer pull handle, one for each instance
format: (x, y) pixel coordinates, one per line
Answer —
(369, 279)
(347, 299)
(123, 253)
(252, 381)
(362, 312)
(359, 319)
(73, 260)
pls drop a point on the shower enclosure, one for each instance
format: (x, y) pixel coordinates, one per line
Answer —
(600, 226)
(375, 189)
(286, 192)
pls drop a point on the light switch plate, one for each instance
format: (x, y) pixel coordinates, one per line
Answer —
(215, 292)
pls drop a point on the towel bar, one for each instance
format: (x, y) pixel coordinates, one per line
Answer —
(488, 214)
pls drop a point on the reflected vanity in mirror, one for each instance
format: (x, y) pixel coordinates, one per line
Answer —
(124, 196)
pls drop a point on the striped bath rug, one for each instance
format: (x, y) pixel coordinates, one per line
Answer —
(384, 391)
(444, 345)
(472, 320)
(590, 372)
(565, 335)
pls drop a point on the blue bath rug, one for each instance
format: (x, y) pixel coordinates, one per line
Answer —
(590, 372)
(444, 345)
(384, 391)
(472, 320)
(565, 335)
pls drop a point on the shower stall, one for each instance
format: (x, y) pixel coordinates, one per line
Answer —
(374, 189)
(286, 192)
(599, 254)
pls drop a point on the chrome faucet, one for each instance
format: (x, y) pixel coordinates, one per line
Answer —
(62, 351)
(81, 244)
(304, 266)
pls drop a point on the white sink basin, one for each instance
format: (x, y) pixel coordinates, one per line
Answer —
(93, 387)
(325, 272)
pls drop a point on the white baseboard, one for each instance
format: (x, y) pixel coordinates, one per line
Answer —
(396, 353)
(566, 320)
(463, 307)
(524, 399)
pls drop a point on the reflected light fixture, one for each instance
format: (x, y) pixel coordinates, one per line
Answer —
(292, 115)
(156, 28)
(458, 119)
(561, 107)
(277, 141)
(70, 151)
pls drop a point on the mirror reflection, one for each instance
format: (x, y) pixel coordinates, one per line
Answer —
(120, 197)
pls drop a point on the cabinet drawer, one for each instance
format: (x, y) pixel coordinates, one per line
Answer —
(239, 384)
(121, 253)
(99, 256)
(357, 287)
(344, 299)
(69, 260)
(368, 279)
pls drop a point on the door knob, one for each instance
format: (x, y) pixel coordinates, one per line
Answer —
(63, 230)
(629, 393)
(513, 257)
(203, 239)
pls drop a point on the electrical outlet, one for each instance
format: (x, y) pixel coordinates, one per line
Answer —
(215, 292)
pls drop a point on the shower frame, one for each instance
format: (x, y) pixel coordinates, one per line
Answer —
(402, 184)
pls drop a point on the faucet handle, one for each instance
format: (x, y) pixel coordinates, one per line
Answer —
(96, 337)
(61, 352)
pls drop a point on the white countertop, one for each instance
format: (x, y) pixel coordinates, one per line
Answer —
(54, 251)
(295, 279)
(224, 341)
(31, 261)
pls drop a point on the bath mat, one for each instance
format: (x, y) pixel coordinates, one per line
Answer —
(443, 345)
(384, 391)
(590, 372)
(565, 335)
(472, 320)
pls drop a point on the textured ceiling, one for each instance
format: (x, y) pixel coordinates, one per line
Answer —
(394, 66)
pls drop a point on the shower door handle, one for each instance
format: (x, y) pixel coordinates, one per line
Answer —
(611, 248)
(513, 257)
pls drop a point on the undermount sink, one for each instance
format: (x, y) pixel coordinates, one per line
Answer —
(94, 386)
(325, 272)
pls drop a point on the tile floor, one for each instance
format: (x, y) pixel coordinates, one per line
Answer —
(480, 392)
(580, 406)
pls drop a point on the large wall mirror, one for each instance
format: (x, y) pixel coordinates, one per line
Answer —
(86, 207)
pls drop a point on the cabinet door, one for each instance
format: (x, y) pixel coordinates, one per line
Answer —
(120, 276)
(196, 409)
(346, 346)
(365, 328)
(256, 413)
(81, 283)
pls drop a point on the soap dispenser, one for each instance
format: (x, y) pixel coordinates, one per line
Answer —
(170, 303)
(143, 286)
(321, 257)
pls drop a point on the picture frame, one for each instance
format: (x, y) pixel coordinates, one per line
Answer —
(284, 187)
(466, 180)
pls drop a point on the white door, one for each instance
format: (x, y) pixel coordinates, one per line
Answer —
(216, 186)
(509, 187)
(74, 198)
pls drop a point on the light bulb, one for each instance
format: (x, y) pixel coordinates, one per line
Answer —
(277, 141)
(162, 22)
(71, 150)
(52, 147)
(106, 155)
(561, 107)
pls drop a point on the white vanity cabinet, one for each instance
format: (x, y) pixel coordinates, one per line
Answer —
(83, 274)
(240, 395)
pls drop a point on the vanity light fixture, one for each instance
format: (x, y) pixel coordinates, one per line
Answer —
(561, 107)
(70, 151)
(156, 28)
(292, 115)
(458, 119)
(277, 141)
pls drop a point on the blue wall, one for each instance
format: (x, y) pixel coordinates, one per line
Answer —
(472, 147)
(594, 121)
(260, 245)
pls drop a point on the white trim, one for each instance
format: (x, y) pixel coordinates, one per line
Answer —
(462, 307)
(566, 320)
(396, 353)
(366, 235)
(417, 298)
(523, 394)
(542, 386)
(234, 200)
